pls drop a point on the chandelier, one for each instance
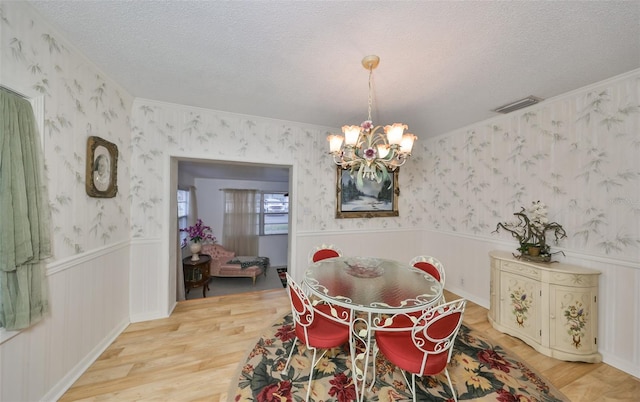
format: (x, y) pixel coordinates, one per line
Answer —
(366, 152)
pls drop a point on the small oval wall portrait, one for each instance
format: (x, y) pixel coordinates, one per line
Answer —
(101, 168)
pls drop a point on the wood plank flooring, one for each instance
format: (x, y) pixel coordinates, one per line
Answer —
(194, 355)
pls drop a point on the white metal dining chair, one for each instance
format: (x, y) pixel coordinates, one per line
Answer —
(323, 326)
(421, 346)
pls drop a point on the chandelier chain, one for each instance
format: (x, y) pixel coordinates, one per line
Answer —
(370, 98)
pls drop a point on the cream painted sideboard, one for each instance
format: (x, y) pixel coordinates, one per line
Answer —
(552, 307)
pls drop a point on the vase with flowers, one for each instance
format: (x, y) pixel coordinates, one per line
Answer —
(530, 229)
(196, 235)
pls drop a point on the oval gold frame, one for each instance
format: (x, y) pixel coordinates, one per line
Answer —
(111, 150)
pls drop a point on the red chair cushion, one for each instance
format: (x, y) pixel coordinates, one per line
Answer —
(324, 254)
(428, 268)
(400, 350)
(323, 332)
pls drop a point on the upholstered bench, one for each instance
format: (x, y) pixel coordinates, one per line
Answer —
(224, 263)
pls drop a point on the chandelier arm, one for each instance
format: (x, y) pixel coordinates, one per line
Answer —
(390, 156)
(359, 180)
(378, 139)
(384, 170)
(401, 161)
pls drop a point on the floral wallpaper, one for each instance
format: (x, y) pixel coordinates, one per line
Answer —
(577, 154)
(79, 102)
(160, 129)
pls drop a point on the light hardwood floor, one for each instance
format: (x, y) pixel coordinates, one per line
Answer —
(195, 353)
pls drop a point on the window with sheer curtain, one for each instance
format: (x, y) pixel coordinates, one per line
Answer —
(183, 213)
(240, 231)
(275, 214)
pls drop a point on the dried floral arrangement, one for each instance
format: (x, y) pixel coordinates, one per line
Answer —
(530, 229)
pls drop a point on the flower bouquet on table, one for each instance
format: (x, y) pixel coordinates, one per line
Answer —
(530, 228)
(196, 235)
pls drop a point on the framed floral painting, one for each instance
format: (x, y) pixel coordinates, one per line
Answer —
(102, 168)
(373, 200)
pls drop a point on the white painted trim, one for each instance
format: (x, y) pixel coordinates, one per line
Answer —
(466, 295)
(343, 232)
(623, 365)
(70, 262)
(6, 335)
(293, 227)
(150, 315)
(67, 381)
(197, 156)
(169, 212)
(146, 240)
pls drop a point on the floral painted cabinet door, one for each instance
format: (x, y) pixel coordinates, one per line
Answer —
(520, 305)
(572, 320)
(551, 307)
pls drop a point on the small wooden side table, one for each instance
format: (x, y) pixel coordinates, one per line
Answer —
(196, 273)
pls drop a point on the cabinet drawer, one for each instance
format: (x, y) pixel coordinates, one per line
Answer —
(573, 279)
(521, 269)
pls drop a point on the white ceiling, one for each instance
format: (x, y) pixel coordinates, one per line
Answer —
(444, 64)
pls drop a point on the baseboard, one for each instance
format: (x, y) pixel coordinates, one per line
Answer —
(67, 381)
(148, 316)
(622, 365)
(473, 298)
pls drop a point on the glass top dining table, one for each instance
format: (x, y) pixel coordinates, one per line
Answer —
(370, 287)
(372, 284)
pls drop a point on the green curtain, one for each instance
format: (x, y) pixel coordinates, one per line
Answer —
(25, 237)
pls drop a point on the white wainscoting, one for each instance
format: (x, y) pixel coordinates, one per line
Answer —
(149, 277)
(89, 307)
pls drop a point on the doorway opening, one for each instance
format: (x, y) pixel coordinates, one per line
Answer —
(207, 178)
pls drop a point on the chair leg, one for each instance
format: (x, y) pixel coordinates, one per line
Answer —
(453, 391)
(295, 340)
(313, 367)
(413, 386)
(254, 281)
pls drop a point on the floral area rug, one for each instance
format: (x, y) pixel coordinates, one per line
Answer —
(479, 370)
(282, 274)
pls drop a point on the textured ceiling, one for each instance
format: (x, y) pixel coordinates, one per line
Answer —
(444, 65)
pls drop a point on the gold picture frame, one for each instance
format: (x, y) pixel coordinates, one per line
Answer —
(374, 200)
(102, 168)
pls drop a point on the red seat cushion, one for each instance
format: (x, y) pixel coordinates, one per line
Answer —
(324, 332)
(400, 350)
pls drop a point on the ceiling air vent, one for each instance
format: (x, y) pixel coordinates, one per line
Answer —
(519, 104)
